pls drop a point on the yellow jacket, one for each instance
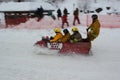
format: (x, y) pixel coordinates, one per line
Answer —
(95, 27)
(65, 38)
(93, 30)
(57, 37)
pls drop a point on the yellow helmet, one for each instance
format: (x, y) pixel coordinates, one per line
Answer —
(74, 29)
(57, 30)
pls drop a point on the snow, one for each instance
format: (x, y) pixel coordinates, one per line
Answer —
(34, 24)
(24, 6)
(21, 60)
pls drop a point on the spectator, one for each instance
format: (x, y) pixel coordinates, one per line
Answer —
(64, 20)
(39, 13)
(59, 14)
(65, 11)
(76, 16)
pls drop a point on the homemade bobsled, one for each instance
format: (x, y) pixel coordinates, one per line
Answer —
(67, 47)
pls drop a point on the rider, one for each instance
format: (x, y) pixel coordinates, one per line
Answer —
(76, 36)
(66, 36)
(94, 29)
(58, 35)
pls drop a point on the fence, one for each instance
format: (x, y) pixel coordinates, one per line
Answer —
(106, 21)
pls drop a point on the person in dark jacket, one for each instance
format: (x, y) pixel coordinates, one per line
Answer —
(39, 13)
(76, 16)
(76, 36)
(65, 11)
(59, 14)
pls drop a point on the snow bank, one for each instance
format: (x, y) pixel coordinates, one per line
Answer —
(45, 23)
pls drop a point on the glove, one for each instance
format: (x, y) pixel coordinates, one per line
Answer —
(71, 41)
(51, 37)
(75, 40)
(59, 40)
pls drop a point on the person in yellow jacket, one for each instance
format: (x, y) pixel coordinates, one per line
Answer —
(66, 36)
(94, 29)
(58, 35)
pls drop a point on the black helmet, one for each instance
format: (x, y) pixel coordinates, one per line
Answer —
(65, 31)
(94, 16)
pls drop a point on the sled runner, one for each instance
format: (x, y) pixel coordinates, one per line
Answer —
(67, 47)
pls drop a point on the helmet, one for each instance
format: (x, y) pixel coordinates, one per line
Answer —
(74, 29)
(57, 30)
(94, 16)
(65, 31)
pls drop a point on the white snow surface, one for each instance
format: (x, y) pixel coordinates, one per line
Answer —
(21, 60)
(24, 6)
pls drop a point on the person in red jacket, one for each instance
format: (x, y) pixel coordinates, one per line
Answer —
(64, 20)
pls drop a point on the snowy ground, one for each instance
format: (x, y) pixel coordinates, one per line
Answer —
(20, 60)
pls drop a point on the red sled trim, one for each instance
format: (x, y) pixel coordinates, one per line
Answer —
(65, 48)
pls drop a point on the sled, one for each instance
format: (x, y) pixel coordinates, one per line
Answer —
(67, 47)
